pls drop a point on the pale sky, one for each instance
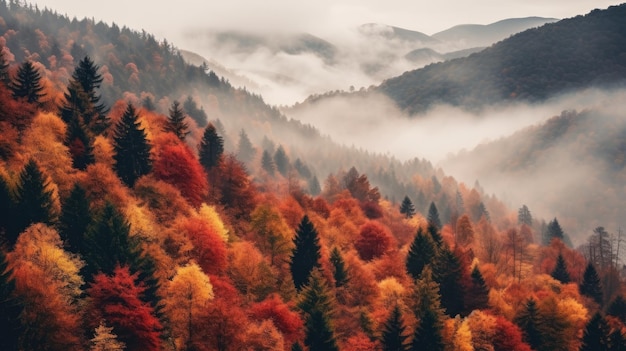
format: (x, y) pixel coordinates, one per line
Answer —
(170, 19)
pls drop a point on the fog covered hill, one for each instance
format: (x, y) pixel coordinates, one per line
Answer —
(530, 66)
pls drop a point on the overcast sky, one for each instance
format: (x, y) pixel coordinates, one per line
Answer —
(170, 19)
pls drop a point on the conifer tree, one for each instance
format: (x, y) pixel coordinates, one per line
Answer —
(617, 308)
(477, 296)
(553, 231)
(80, 144)
(590, 285)
(105, 340)
(316, 304)
(433, 217)
(7, 208)
(524, 216)
(421, 253)
(197, 114)
(427, 335)
(10, 309)
(529, 321)
(596, 334)
(132, 150)
(394, 336)
(74, 220)
(617, 342)
(5, 78)
(34, 201)
(428, 312)
(407, 208)
(176, 122)
(306, 253)
(560, 272)
(245, 150)
(339, 268)
(211, 148)
(314, 186)
(267, 163)
(27, 83)
(281, 161)
(447, 273)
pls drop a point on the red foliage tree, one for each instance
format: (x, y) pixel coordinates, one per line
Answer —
(374, 240)
(508, 336)
(233, 188)
(175, 164)
(209, 248)
(286, 321)
(225, 326)
(116, 299)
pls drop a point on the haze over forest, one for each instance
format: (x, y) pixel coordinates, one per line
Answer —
(331, 176)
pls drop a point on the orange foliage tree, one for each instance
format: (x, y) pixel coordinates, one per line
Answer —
(209, 248)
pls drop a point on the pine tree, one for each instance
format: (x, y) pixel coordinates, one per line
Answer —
(267, 163)
(211, 148)
(314, 186)
(132, 150)
(421, 253)
(477, 297)
(553, 231)
(74, 220)
(80, 145)
(245, 150)
(197, 114)
(433, 217)
(427, 335)
(590, 285)
(447, 273)
(27, 84)
(428, 312)
(34, 201)
(393, 336)
(10, 309)
(5, 78)
(596, 334)
(560, 272)
(176, 122)
(407, 208)
(524, 216)
(316, 305)
(281, 161)
(617, 308)
(306, 253)
(529, 321)
(339, 268)
(617, 342)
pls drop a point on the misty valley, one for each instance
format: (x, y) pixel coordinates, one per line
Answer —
(375, 188)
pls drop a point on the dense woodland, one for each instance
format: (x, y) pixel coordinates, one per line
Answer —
(131, 222)
(529, 66)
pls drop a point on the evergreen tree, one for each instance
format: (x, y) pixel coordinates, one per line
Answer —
(524, 216)
(421, 253)
(211, 148)
(596, 335)
(34, 201)
(74, 220)
(7, 208)
(482, 212)
(27, 84)
(617, 308)
(393, 336)
(339, 268)
(176, 122)
(448, 274)
(316, 304)
(407, 208)
(197, 114)
(433, 217)
(281, 161)
(617, 341)
(477, 297)
(306, 253)
(245, 150)
(460, 205)
(553, 231)
(5, 78)
(314, 186)
(132, 150)
(148, 103)
(267, 163)
(529, 321)
(590, 285)
(560, 272)
(428, 335)
(80, 145)
(10, 309)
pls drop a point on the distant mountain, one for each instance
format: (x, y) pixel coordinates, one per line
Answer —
(234, 78)
(473, 35)
(530, 66)
(395, 33)
(430, 55)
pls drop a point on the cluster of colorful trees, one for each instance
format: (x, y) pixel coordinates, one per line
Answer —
(126, 228)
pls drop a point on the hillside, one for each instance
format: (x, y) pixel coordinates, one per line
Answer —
(530, 66)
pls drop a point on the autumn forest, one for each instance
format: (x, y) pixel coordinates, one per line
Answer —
(147, 204)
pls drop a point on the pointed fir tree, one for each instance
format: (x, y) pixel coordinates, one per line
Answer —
(339, 268)
(85, 80)
(197, 114)
(34, 201)
(477, 297)
(596, 334)
(433, 217)
(448, 274)
(306, 253)
(314, 186)
(553, 231)
(428, 312)
(176, 122)
(617, 308)
(245, 150)
(617, 342)
(80, 145)
(10, 309)
(524, 216)
(132, 149)
(460, 205)
(281, 161)
(5, 77)
(74, 220)
(428, 334)
(27, 84)
(148, 103)
(560, 272)
(316, 305)
(268, 164)
(529, 321)
(211, 148)
(482, 212)
(421, 253)
(407, 208)
(394, 336)
(590, 285)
